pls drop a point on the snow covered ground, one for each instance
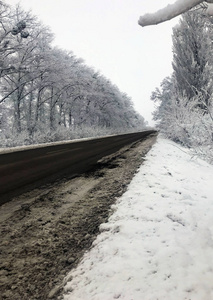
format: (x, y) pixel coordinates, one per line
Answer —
(158, 243)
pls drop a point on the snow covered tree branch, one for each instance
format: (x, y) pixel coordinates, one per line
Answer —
(173, 10)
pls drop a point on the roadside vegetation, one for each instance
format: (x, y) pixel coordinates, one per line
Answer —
(184, 107)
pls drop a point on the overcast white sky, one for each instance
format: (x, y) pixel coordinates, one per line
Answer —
(105, 33)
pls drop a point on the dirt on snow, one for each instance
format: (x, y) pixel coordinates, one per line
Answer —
(44, 233)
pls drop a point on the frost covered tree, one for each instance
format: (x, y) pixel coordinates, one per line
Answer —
(184, 101)
(173, 10)
(47, 93)
(17, 85)
(192, 57)
(9, 31)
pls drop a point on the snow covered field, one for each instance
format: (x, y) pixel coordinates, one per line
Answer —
(158, 243)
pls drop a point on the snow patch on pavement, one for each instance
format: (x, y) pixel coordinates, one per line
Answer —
(158, 243)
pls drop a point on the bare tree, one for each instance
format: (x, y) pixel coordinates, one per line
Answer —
(173, 10)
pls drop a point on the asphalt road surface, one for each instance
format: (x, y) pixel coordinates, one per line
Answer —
(22, 168)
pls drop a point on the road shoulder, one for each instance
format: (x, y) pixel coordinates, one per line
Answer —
(46, 232)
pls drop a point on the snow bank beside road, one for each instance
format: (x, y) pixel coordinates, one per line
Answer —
(158, 244)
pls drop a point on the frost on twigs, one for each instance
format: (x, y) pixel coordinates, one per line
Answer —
(171, 11)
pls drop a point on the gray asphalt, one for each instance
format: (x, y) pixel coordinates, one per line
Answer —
(26, 169)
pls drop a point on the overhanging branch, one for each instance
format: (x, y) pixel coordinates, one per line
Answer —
(169, 12)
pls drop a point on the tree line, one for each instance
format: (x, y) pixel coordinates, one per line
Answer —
(184, 107)
(47, 93)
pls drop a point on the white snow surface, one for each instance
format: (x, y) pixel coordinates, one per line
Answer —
(158, 242)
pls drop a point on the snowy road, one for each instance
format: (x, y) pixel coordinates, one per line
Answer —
(158, 243)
